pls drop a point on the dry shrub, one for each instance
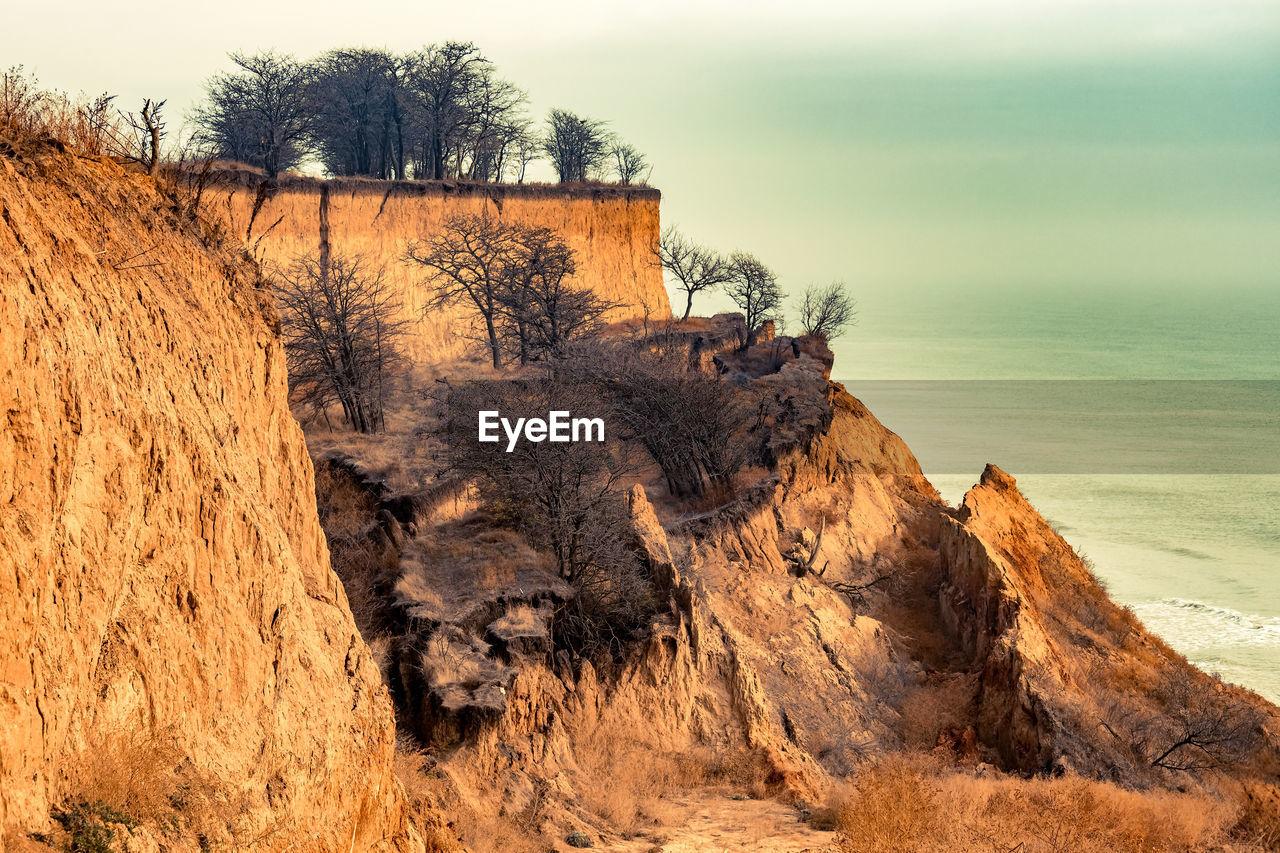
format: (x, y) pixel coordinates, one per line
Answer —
(364, 568)
(906, 804)
(133, 774)
(623, 782)
(891, 806)
(133, 770)
(344, 505)
(367, 564)
(447, 821)
(629, 784)
(89, 126)
(1259, 823)
(424, 795)
(936, 707)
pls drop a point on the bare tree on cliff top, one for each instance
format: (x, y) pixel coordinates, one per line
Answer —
(259, 115)
(493, 125)
(576, 146)
(341, 336)
(440, 77)
(628, 162)
(826, 310)
(696, 268)
(754, 288)
(517, 279)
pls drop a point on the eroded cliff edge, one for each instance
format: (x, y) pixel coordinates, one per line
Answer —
(834, 611)
(161, 565)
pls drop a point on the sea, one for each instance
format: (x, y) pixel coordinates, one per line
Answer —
(1143, 423)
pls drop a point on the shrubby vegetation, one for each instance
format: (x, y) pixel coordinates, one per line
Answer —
(93, 126)
(566, 497)
(695, 426)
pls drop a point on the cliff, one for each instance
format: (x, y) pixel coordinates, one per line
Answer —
(612, 231)
(974, 633)
(171, 633)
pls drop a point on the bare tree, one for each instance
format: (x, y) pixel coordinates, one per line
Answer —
(149, 130)
(526, 148)
(494, 122)
(628, 162)
(517, 278)
(753, 287)
(826, 311)
(1193, 725)
(338, 321)
(439, 77)
(694, 425)
(1204, 730)
(469, 261)
(259, 115)
(696, 268)
(546, 312)
(566, 497)
(576, 146)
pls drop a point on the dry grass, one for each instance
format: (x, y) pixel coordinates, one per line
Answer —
(458, 566)
(89, 126)
(937, 709)
(136, 775)
(630, 785)
(449, 822)
(906, 804)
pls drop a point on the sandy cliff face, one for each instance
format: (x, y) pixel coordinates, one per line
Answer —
(749, 659)
(612, 231)
(975, 631)
(161, 565)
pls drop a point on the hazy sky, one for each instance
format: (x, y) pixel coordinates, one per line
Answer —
(916, 149)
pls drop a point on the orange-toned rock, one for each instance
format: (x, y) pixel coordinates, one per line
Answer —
(613, 232)
(161, 564)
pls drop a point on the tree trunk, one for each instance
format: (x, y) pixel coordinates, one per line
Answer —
(493, 340)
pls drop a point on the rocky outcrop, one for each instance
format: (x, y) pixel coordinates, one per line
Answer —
(745, 657)
(813, 670)
(612, 230)
(995, 554)
(161, 565)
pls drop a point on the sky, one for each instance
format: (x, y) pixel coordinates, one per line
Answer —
(975, 171)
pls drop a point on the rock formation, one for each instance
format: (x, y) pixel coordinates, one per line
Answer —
(161, 565)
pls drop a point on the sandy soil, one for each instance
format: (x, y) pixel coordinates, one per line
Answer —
(724, 824)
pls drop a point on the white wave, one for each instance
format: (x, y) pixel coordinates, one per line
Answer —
(1190, 625)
